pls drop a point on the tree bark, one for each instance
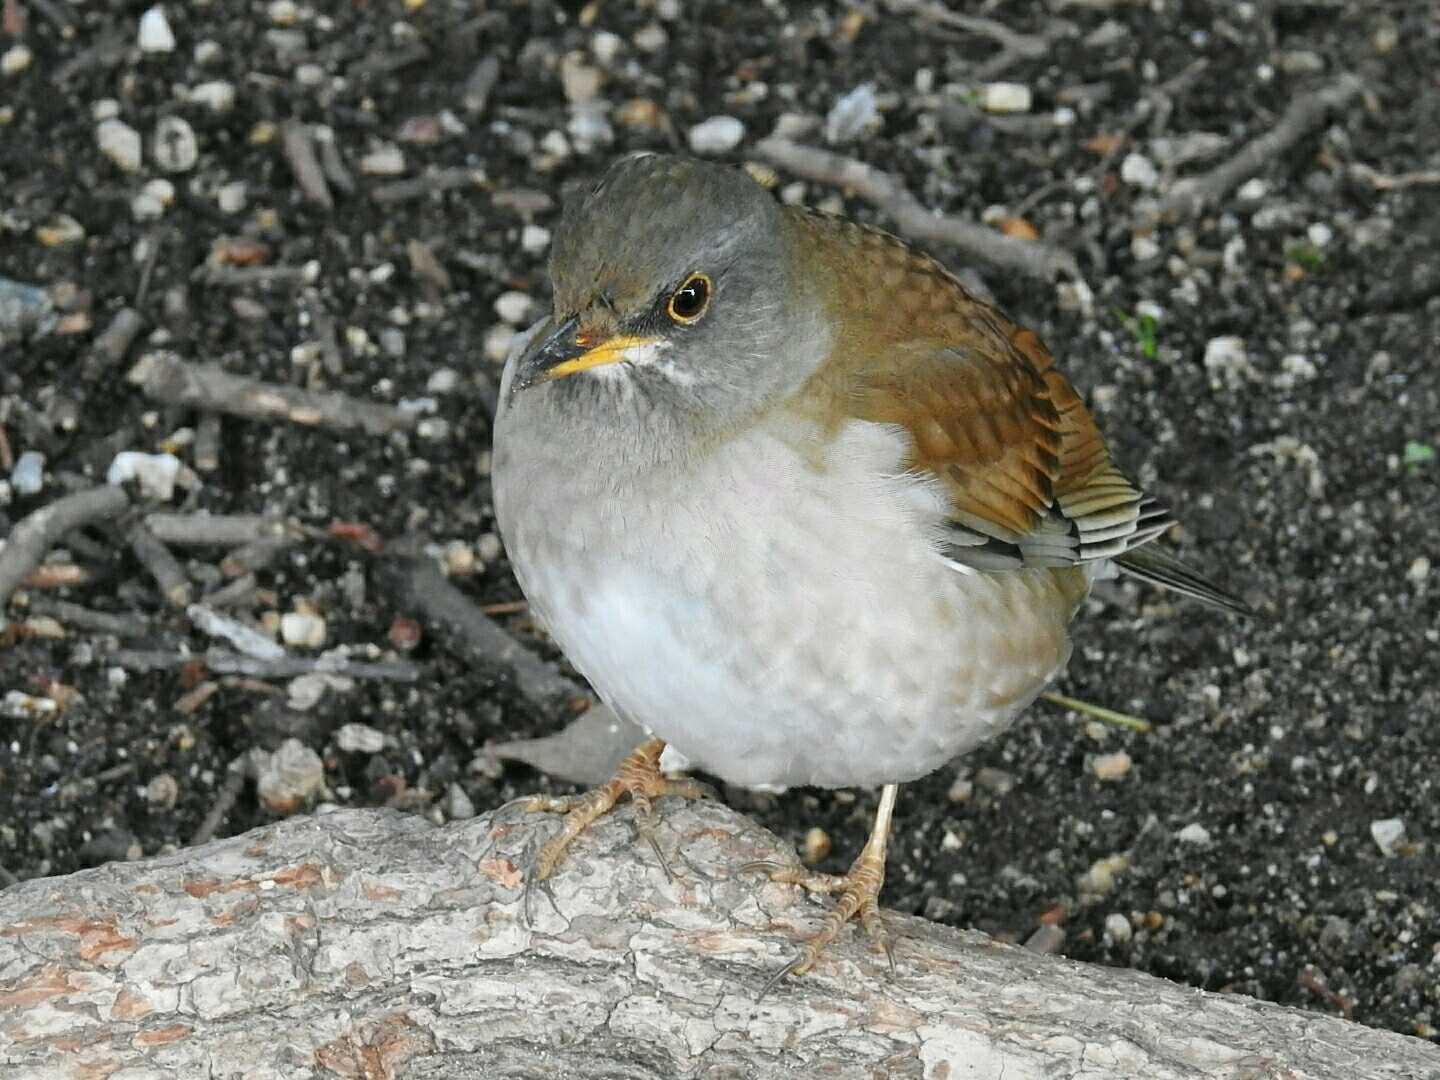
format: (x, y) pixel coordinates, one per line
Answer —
(371, 944)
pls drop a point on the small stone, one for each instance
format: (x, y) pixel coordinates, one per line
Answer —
(606, 47)
(1320, 234)
(28, 475)
(456, 805)
(208, 52)
(155, 33)
(360, 739)
(534, 239)
(1226, 357)
(302, 629)
(1110, 766)
(717, 135)
(1099, 880)
(217, 95)
(489, 547)
(231, 197)
(60, 230)
(283, 12)
(498, 340)
(1005, 97)
(514, 307)
(16, 59)
(962, 790)
(385, 160)
(442, 381)
(1117, 928)
(119, 142)
(289, 776)
(995, 780)
(162, 791)
(853, 115)
(1388, 834)
(155, 473)
(1139, 171)
(458, 559)
(580, 81)
(309, 75)
(816, 847)
(1194, 833)
(651, 38)
(1419, 571)
(153, 200)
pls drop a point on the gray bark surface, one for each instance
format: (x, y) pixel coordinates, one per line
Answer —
(371, 944)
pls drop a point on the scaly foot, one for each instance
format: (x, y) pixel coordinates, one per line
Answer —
(858, 893)
(638, 776)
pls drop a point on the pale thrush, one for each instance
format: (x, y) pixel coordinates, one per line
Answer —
(796, 502)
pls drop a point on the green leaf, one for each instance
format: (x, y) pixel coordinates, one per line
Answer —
(1417, 454)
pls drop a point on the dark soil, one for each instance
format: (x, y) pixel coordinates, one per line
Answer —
(1305, 473)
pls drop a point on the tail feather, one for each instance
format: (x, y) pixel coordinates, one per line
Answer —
(1159, 568)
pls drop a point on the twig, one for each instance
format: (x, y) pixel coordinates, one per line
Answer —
(37, 533)
(206, 452)
(1014, 46)
(478, 86)
(1384, 182)
(163, 566)
(233, 593)
(285, 667)
(236, 773)
(255, 555)
(169, 379)
(1099, 712)
(421, 586)
(218, 530)
(111, 345)
(419, 186)
(56, 576)
(1192, 195)
(1313, 981)
(331, 161)
(912, 219)
(244, 637)
(101, 622)
(154, 244)
(298, 145)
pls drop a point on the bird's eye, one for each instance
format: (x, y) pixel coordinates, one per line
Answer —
(689, 302)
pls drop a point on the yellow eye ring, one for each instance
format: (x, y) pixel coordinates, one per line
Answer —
(690, 301)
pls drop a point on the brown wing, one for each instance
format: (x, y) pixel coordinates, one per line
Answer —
(1030, 479)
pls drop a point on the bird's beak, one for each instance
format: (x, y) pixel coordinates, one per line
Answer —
(568, 349)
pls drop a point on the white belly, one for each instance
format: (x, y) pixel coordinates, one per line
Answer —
(782, 621)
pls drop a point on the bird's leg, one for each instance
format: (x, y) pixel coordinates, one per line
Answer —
(638, 776)
(857, 891)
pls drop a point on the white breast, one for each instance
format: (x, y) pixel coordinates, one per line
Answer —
(783, 614)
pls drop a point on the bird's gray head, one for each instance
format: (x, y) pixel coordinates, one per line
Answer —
(673, 297)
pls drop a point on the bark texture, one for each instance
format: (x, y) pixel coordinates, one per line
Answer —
(371, 944)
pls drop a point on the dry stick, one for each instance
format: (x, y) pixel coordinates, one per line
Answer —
(238, 771)
(1099, 712)
(299, 148)
(1193, 195)
(206, 453)
(285, 667)
(233, 593)
(218, 530)
(1014, 46)
(420, 186)
(37, 533)
(912, 219)
(110, 347)
(255, 556)
(163, 566)
(132, 624)
(422, 586)
(331, 161)
(169, 379)
(1384, 182)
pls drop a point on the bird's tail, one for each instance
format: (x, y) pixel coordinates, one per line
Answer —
(1159, 568)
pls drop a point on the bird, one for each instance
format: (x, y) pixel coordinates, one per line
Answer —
(796, 502)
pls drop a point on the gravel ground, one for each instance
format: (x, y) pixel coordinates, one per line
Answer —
(358, 198)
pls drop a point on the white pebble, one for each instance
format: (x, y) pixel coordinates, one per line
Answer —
(457, 804)
(853, 115)
(231, 197)
(289, 776)
(514, 307)
(606, 47)
(1253, 190)
(302, 629)
(1005, 97)
(1110, 766)
(442, 381)
(1320, 234)
(155, 473)
(208, 51)
(1139, 171)
(309, 74)
(1194, 833)
(1117, 928)
(28, 475)
(384, 160)
(155, 33)
(1419, 570)
(651, 38)
(16, 59)
(119, 142)
(534, 239)
(498, 340)
(217, 95)
(1388, 834)
(104, 109)
(717, 135)
(1227, 360)
(489, 547)
(579, 80)
(284, 13)
(356, 738)
(247, 639)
